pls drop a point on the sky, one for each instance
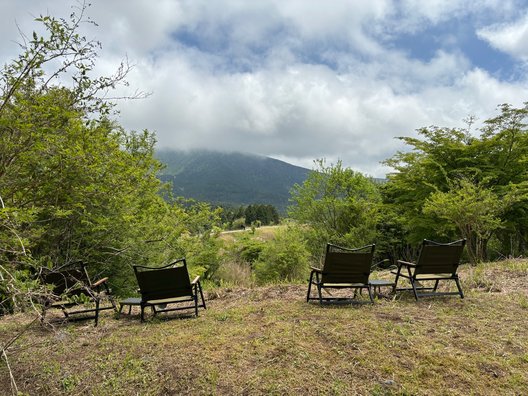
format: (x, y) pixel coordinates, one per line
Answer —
(300, 80)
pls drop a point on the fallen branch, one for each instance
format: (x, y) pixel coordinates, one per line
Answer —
(14, 388)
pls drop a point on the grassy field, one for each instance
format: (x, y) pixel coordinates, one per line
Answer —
(264, 233)
(268, 340)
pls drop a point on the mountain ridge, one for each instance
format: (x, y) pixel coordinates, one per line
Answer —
(230, 179)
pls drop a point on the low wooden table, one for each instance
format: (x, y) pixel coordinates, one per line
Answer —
(377, 284)
(131, 302)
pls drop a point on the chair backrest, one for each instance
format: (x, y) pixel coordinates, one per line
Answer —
(439, 258)
(160, 283)
(72, 279)
(342, 265)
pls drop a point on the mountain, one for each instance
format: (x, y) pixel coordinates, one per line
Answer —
(230, 178)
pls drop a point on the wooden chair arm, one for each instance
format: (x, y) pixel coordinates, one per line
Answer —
(314, 269)
(196, 280)
(406, 263)
(100, 282)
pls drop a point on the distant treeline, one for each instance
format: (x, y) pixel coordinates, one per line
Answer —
(242, 216)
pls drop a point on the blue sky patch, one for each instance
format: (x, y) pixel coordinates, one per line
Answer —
(458, 36)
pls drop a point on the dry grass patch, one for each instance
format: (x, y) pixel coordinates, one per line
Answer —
(269, 341)
(264, 233)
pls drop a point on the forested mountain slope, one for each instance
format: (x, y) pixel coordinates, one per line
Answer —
(230, 178)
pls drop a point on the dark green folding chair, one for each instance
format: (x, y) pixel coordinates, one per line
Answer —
(168, 285)
(436, 262)
(73, 292)
(343, 268)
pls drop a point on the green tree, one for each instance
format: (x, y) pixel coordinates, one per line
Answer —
(495, 160)
(440, 155)
(504, 154)
(269, 214)
(74, 185)
(339, 206)
(52, 140)
(475, 211)
(266, 214)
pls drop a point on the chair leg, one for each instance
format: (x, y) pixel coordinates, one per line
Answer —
(459, 287)
(414, 289)
(309, 286)
(96, 312)
(320, 294)
(396, 279)
(112, 301)
(370, 294)
(142, 312)
(435, 286)
(201, 295)
(319, 289)
(196, 304)
(413, 283)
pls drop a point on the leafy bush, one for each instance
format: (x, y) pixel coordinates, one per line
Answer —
(234, 273)
(286, 258)
(201, 254)
(238, 224)
(237, 261)
(247, 249)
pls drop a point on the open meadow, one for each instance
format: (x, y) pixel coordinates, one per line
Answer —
(268, 340)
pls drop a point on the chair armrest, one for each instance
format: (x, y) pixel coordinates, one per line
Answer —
(100, 282)
(196, 280)
(314, 269)
(406, 263)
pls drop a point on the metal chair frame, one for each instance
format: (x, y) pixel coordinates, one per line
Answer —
(436, 262)
(343, 268)
(69, 282)
(170, 284)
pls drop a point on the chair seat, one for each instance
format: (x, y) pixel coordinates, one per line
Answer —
(170, 300)
(343, 284)
(432, 276)
(65, 303)
(380, 282)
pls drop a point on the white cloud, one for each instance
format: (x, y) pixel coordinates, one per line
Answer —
(438, 10)
(307, 112)
(413, 14)
(511, 38)
(296, 80)
(341, 21)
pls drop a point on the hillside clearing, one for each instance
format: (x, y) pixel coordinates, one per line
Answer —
(264, 233)
(269, 341)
